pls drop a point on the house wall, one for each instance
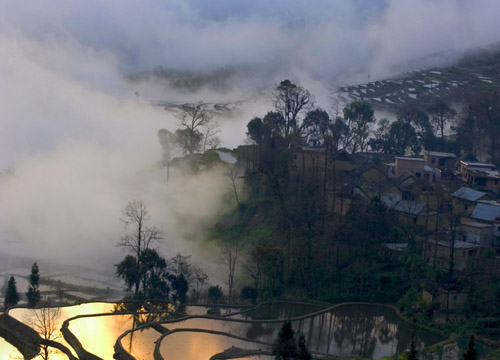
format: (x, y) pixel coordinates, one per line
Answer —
(475, 235)
(403, 166)
(442, 254)
(454, 301)
(439, 161)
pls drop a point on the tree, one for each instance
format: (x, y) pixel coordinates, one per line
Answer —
(229, 257)
(46, 322)
(167, 140)
(359, 116)
(302, 351)
(181, 287)
(441, 114)
(291, 102)
(11, 295)
(211, 131)
(192, 118)
(188, 141)
(141, 237)
(400, 138)
(180, 265)
(201, 279)
(249, 293)
(470, 353)
(214, 294)
(317, 121)
(232, 174)
(412, 354)
(284, 347)
(33, 293)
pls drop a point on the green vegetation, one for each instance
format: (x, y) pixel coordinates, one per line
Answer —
(11, 294)
(286, 347)
(33, 293)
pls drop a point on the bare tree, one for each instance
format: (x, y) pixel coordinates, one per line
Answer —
(211, 130)
(201, 279)
(291, 101)
(229, 257)
(441, 114)
(232, 174)
(45, 321)
(141, 236)
(192, 118)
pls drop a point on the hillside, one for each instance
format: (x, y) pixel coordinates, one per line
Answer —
(477, 70)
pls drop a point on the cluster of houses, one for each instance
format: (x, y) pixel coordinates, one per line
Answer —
(449, 207)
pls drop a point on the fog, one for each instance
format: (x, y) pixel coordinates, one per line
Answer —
(80, 144)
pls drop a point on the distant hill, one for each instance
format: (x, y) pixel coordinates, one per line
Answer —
(223, 79)
(476, 70)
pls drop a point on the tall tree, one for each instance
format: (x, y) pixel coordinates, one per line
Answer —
(284, 347)
(11, 295)
(33, 293)
(140, 237)
(359, 116)
(317, 121)
(412, 354)
(291, 101)
(229, 257)
(441, 115)
(193, 118)
(470, 353)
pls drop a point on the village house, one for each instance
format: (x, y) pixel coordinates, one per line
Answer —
(481, 176)
(465, 199)
(442, 163)
(438, 252)
(410, 212)
(475, 232)
(487, 212)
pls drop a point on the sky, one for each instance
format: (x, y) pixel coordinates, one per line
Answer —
(80, 144)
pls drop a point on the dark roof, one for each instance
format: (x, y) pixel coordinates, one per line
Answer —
(468, 194)
(486, 211)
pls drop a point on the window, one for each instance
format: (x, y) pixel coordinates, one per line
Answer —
(496, 182)
(433, 160)
(426, 176)
(441, 162)
(418, 175)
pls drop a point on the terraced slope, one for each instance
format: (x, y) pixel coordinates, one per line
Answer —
(475, 72)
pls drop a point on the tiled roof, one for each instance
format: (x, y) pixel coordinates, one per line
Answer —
(468, 194)
(485, 211)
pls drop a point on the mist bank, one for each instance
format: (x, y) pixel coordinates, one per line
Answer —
(79, 138)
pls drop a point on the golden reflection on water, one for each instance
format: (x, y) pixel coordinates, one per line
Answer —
(8, 352)
(25, 316)
(199, 346)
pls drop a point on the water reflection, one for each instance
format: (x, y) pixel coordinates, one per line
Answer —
(348, 330)
(199, 346)
(9, 352)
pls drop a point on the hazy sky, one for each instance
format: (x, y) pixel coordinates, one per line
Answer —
(80, 143)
